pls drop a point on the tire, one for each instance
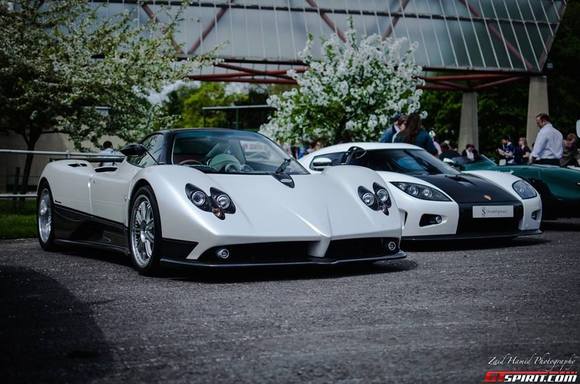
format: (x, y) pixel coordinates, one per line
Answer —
(145, 232)
(45, 217)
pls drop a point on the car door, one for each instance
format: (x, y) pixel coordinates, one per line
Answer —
(110, 185)
(71, 185)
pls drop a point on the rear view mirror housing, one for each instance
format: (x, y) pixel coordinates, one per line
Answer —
(133, 150)
(449, 161)
(453, 164)
(320, 163)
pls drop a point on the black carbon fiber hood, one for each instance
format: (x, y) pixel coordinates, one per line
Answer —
(470, 189)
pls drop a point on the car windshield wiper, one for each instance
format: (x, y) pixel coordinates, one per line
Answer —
(283, 166)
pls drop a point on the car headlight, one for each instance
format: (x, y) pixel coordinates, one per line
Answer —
(524, 189)
(383, 196)
(217, 202)
(420, 191)
(377, 201)
(199, 198)
(223, 201)
(368, 198)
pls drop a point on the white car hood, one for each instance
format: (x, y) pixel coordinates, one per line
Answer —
(326, 204)
(319, 208)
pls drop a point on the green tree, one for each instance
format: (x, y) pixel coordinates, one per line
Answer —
(443, 111)
(207, 95)
(186, 104)
(251, 118)
(501, 112)
(59, 63)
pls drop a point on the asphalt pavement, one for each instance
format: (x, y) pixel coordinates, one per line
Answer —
(439, 316)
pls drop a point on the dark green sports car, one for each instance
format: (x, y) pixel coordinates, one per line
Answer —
(559, 187)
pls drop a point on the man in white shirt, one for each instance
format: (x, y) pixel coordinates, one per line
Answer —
(549, 145)
(108, 151)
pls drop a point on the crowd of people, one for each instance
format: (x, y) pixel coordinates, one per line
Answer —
(550, 147)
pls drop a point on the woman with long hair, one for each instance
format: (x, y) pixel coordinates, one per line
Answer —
(412, 133)
(522, 151)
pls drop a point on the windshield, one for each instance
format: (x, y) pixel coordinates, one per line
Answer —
(234, 152)
(407, 161)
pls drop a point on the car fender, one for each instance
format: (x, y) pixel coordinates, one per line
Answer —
(412, 208)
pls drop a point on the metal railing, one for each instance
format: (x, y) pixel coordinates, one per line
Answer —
(58, 155)
(64, 154)
(17, 196)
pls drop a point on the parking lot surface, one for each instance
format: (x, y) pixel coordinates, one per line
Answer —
(438, 316)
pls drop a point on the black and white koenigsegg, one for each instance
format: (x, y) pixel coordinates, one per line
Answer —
(216, 197)
(435, 200)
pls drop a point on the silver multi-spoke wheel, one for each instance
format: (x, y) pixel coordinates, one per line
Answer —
(142, 231)
(45, 216)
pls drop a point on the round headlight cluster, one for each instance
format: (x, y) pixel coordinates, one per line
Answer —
(368, 198)
(380, 200)
(524, 189)
(413, 190)
(383, 195)
(199, 198)
(217, 202)
(422, 192)
(223, 201)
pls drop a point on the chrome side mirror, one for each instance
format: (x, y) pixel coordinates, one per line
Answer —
(320, 163)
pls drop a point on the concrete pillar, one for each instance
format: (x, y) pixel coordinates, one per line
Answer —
(468, 126)
(537, 103)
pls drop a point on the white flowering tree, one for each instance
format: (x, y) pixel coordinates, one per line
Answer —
(60, 66)
(351, 93)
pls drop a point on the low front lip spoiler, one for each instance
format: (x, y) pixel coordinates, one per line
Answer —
(310, 261)
(473, 236)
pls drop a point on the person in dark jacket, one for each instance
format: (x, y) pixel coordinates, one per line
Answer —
(393, 130)
(522, 151)
(447, 152)
(571, 154)
(506, 150)
(412, 133)
(470, 152)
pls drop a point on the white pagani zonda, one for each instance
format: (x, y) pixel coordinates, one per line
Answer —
(436, 201)
(217, 197)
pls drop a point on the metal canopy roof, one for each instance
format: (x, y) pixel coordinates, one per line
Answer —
(260, 40)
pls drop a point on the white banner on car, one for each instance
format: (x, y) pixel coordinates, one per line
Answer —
(492, 211)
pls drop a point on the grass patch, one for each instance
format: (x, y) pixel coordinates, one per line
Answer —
(17, 219)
